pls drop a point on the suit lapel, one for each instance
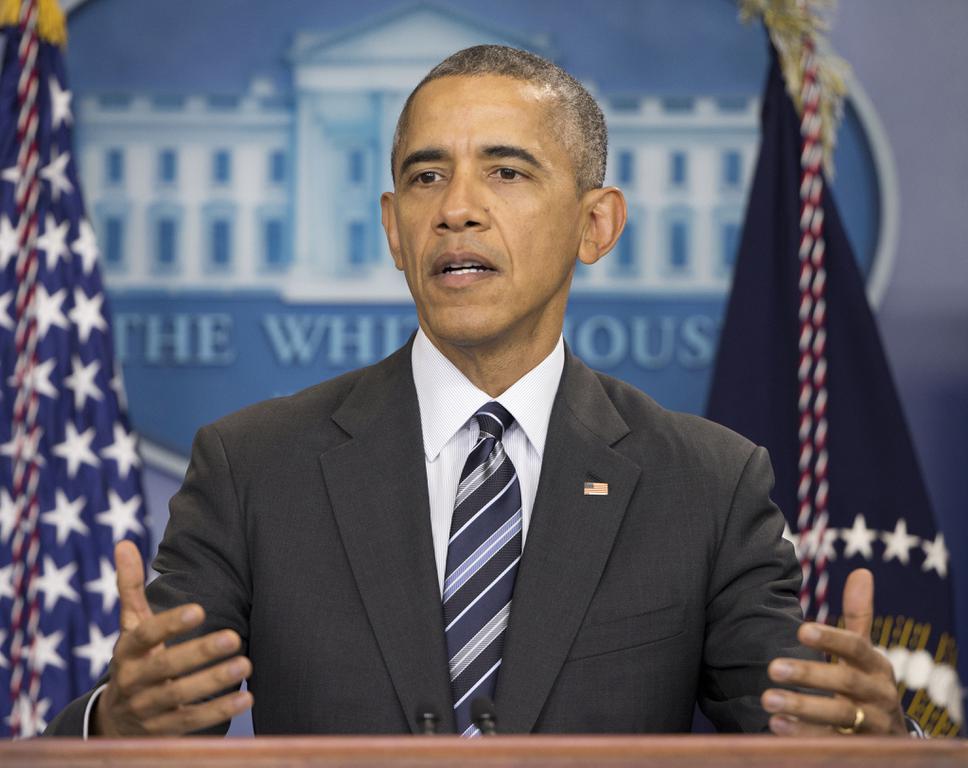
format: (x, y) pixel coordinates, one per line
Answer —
(569, 540)
(377, 485)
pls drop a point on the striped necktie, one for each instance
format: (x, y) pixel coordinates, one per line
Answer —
(482, 560)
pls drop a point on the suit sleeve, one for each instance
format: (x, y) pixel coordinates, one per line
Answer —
(202, 558)
(70, 720)
(753, 609)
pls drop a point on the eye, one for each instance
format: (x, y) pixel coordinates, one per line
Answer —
(508, 174)
(426, 177)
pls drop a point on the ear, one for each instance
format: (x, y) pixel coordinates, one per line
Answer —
(604, 214)
(388, 215)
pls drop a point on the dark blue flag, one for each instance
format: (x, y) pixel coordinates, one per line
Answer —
(70, 483)
(801, 370)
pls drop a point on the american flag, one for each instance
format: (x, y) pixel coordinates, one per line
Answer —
(801, 370)
(70, 484)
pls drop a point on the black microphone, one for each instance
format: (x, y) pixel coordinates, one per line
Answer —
(427, 719)
(482, 715)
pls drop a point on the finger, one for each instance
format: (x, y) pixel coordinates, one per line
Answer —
(158, 628)
(848, 646)
(783, 725)
(834, 711)
(159, 699)
(131, 584)
(178, 660)
(858, 602)
(197, 716)
(834, 678)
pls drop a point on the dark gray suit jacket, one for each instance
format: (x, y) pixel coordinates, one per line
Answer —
(303, 524)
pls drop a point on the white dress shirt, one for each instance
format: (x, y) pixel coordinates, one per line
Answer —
(448, 401)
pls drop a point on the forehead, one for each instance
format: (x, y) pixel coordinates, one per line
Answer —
(456, 110)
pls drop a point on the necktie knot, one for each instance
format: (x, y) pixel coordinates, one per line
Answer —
(493, 419)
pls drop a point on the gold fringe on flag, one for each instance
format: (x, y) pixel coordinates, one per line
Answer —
(790, 23)
(51, 25)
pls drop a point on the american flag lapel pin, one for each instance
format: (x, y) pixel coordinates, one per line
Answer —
(596, 489)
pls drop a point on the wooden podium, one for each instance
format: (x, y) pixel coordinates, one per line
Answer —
(495, 752)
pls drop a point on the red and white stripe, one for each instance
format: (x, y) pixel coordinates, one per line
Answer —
(812, 487)
(26, 433)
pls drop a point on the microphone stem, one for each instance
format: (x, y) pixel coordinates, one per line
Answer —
(428, 723)
(487, 725)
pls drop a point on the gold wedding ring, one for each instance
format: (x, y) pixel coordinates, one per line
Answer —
(858, 722)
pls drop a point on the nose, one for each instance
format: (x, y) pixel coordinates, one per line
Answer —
(462, 205)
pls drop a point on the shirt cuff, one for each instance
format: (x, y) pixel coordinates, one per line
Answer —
(85, 734)
(915, 731)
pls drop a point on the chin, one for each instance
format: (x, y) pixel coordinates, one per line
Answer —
(466, 327)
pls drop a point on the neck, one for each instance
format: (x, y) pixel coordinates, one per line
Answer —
(494, 366)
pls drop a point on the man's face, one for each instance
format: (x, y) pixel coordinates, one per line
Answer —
(485, 220)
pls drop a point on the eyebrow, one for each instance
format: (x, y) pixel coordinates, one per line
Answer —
(506, 151)
(428, 155)
(496, 151)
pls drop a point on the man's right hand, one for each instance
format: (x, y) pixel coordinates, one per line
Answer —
(156, 690)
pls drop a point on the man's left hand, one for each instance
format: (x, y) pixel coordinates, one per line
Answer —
(865, 696)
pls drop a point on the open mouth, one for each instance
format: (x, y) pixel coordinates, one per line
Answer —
(465, 268)
(461, 267)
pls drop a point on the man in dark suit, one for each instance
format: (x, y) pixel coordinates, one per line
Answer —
(643, 559)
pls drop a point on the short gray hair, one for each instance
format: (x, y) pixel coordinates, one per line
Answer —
(583, 128)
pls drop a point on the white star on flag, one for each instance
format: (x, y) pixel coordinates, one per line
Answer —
(43, 653)
(38, 378)
(827, 548)
(76, 448)
(85, 246)
(6, 321)
(31, 718)
(8, 516)
(4, 663)
(98, 650)
(48, 309)
(60, 104)
(936, 555)
(53, 242)
(6, 581)
(11, 174)
(9, 242)
(65, 517)
(898, 543)
(124, 450)
(121, 516)
(105, 585)
(86, 314)
(816, 545)
(55, 583)
(859, 538)
(55, 172)
(82, 382)
(26, 444)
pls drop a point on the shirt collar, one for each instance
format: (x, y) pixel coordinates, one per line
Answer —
(447, 399)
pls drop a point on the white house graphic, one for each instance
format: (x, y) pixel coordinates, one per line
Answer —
(279, 193)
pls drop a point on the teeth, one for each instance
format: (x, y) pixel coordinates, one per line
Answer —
(464, 268)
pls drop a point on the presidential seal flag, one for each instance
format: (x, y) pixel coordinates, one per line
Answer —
(70, 483)
(800, 369)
